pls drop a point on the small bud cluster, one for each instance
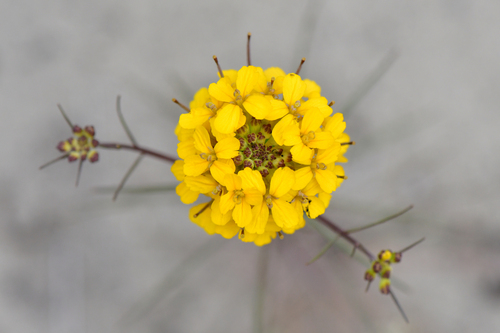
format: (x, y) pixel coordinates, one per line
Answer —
(81, 146)
(382, 267)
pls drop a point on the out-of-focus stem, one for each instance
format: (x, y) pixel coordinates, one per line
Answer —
(345, 235)
(138, 149)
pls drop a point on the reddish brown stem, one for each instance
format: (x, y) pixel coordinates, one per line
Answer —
(346, 236)
(138, 149)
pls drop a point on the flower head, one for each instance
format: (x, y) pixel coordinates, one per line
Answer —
(262, 145)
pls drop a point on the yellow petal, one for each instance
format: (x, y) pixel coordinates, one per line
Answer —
(200, 98)
(338, 170)
(293, 88)
(196, 117)
(217, 217)
(178, 170)
(232, 182)
(319, 102)
(231, 74)
(315, 207)
(282, 127)
(312, 188)
(312, 89)
(187, 195)
(186, 148)
(335, 124)
(228, 118)
(260, 214)
(202, 184)
(202, 140)
(279, 109)
(284, 214)
(302, 177)
(322, 140)
(222, 90)
(312, 121)
(329, 155)
(253, 196)
(273, 72)
(282, 182)
(242, 214)
(246, 80)
(325, 198)
(260, 82)
(327, 180)
(194, 165)
(226, 203)
(221, 168)
(227, 231)
(252, 179)
(227, 148)
(302, 154)
(202, 219)
(258, 106)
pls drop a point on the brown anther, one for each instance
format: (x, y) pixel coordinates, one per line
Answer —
(331, 103)
(342, 177)
(77, 129)
(369, 276)
(264, 173)
(218, 66)
(350, 143)
(387, 274)
(95, 143)
(180, 104)
(398, 256)
(94, 157)
(90, 130)
(280, 235)
(385, 289)
(61, 147)
(300, 66)
(376, 266)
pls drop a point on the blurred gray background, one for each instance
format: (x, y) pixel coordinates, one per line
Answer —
(427, 134)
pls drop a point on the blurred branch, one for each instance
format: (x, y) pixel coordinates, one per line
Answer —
(369, 82)
(135, 189)
(173, 280)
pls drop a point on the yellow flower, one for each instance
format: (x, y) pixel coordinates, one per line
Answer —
(262, 146)
(217, 159)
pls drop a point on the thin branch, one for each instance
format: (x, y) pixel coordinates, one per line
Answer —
(345, 235)
(373, 78)
(350, 231)
(122, 121)
(399, 306)
(54, 161)
(323, 251)
(125, 178)
(218, 66)
(172, 281)
(138, 149)
(135, 189)
(65, 116)
(412, 245)
(79, 172)
(302, 61)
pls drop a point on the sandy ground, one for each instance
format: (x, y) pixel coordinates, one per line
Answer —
(71, 260)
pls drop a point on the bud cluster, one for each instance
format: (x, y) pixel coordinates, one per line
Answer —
(81, 146)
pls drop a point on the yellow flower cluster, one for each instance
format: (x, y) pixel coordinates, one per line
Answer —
(262, 145)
